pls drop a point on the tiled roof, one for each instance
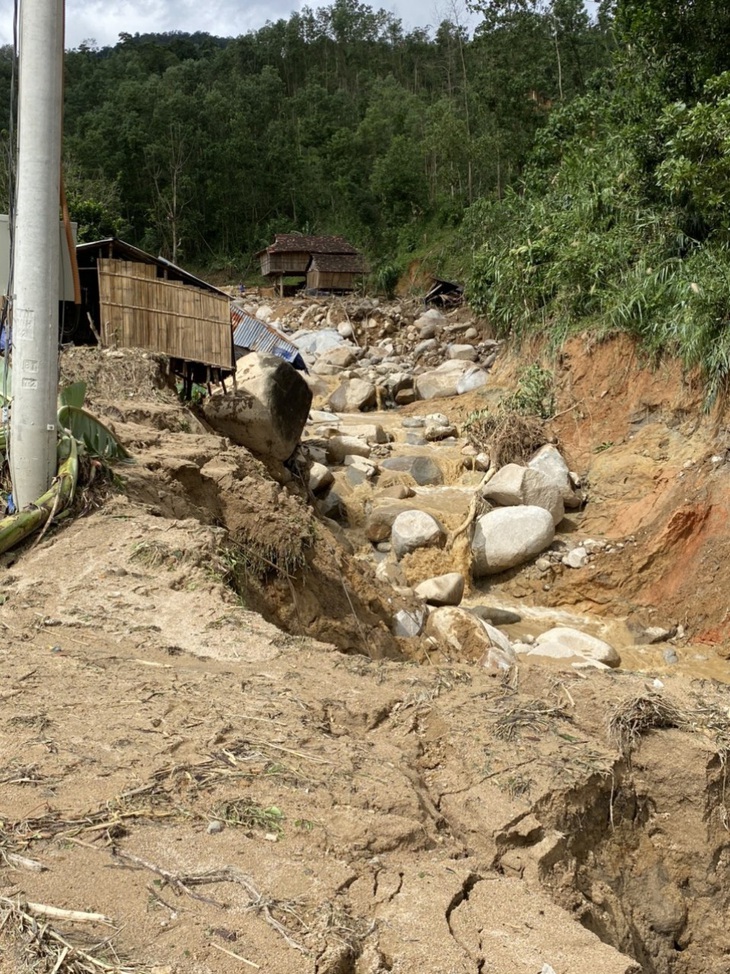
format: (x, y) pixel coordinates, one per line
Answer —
(339, 263)
(295, 243)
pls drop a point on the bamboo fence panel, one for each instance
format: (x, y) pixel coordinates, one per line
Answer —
(140, 310)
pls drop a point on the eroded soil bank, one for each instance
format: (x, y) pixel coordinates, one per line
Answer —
(234, 797)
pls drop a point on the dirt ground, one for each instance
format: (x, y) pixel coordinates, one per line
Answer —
(222, 795)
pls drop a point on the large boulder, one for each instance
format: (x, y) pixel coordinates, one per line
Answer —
(425, 471)
(509, 536)
(514, 485)
(352, 395)
(549, 461)
(270, 409)
(564, 642)
(460, 634)
(415, 529)
(441, 381)
(316, 343)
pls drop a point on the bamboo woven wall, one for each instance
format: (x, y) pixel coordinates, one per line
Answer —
(284, 263)
(326, 281)
(139, 310)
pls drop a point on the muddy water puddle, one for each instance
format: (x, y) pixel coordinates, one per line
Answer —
(694, 661)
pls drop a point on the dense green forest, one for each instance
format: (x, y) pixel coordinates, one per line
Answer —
(573, 166)
(334, 120)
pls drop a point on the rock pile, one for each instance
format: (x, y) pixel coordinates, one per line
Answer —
(396, 494)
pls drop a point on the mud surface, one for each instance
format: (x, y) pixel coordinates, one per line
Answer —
(232, 796)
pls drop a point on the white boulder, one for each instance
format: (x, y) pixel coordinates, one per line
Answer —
(514, 485)
(563, 642)
(415, 529)
(549, 461)
(510, 536)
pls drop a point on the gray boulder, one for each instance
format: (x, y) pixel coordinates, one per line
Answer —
(268, 413)
(429, 323)
(465, 353)
(549, 461)
(441, 381)
(473, 378)
(425, 471)
(408, 623)
(415, 529)
(352, 395)
(509, 536)
(316, 343)
(513, 485)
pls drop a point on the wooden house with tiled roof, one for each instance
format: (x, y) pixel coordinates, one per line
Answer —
(323, 263)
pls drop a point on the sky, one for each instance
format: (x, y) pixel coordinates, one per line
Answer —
(103, 20)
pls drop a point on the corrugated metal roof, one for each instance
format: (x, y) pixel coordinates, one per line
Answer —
(258, 336)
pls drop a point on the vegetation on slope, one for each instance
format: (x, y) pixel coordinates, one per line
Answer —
(620, 222)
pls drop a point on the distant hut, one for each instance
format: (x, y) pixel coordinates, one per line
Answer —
(293, 255)
(334, 272)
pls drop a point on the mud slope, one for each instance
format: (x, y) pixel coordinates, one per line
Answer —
(221, 795)
(657, 471)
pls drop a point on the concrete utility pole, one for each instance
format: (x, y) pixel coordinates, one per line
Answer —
(33, 434)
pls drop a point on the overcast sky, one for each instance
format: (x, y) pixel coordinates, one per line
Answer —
(104, 20)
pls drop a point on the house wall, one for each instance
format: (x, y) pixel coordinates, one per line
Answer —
(295, 263)
(332, 281)
(139, 310)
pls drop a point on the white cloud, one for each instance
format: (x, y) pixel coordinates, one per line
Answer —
(104, 20)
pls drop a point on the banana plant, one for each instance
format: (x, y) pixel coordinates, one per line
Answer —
(60, 495)
(80, 433)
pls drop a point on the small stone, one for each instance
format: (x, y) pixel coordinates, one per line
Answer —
(409, 623)
(657, 634)
(439, 419)
(434, 433)
(576, 558)
(215, 826)
(465, 353)
(670, 656)
(320, 478)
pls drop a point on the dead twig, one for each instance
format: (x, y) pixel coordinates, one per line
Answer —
(224, 950)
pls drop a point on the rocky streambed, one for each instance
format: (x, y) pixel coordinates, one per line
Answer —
(470, 524)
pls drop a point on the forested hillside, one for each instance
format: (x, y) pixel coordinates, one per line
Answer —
(335, 120)
(569, 160)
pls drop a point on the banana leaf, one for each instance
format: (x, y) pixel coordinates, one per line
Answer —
(97, 439)
(8, 384)
(73, 395)
(57, 498)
